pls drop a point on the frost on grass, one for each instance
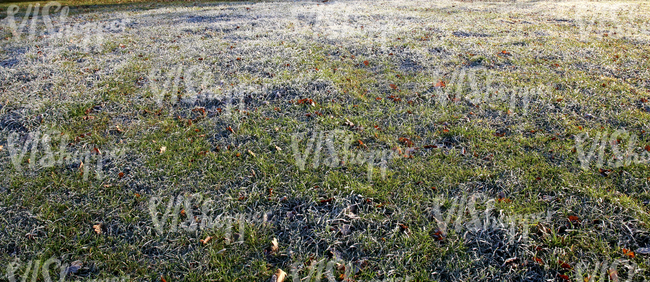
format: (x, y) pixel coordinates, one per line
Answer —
(440, 75)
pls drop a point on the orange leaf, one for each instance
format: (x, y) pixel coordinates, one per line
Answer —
(206, 240)
(393, 86)
(538, 260)
(162, 279)
(440, 84)
(366, 63)
(628, 253)
(574, 219)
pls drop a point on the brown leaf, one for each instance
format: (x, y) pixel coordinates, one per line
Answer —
(564, 265)
(440, 84)
(613, 274)
(162, 279)
(279, 276)
(393, 86)
(120, 175)
(98, 228)
(206, 240)
(326, 200)
(274, 246)
(574, 219)
(366, 63)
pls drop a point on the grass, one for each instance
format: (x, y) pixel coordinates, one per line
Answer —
(473, 100)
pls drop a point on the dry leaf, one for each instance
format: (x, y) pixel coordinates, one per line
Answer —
(274, 245)
(251, 153)
(120, 175)
(98, 228)
(564, 264)
(162, 279)
(1, 148)
(163, 149)
(613, 275)
(206, 240)
(278, 276)
(628, 253)
(278, 148)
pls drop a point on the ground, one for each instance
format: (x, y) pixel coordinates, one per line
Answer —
(429, 140)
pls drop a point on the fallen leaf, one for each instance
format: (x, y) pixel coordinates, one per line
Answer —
(206, 240)
(1, 148)
(393, 86)
(613, 274)
(538, 260)
(564, 265)
(274, 246)
(162, 279)
(628, 253)
(366, 63)
(98, 228)
(279, 276)
(163, 149)
(278, 148)
(326, 200)
(574, 219)
(440, 84)
(251, 153)
(120, 175)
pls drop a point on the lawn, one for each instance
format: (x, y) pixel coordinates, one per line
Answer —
(331, 141)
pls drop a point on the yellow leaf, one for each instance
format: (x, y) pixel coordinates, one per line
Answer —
(98, 228)
(163, 149)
